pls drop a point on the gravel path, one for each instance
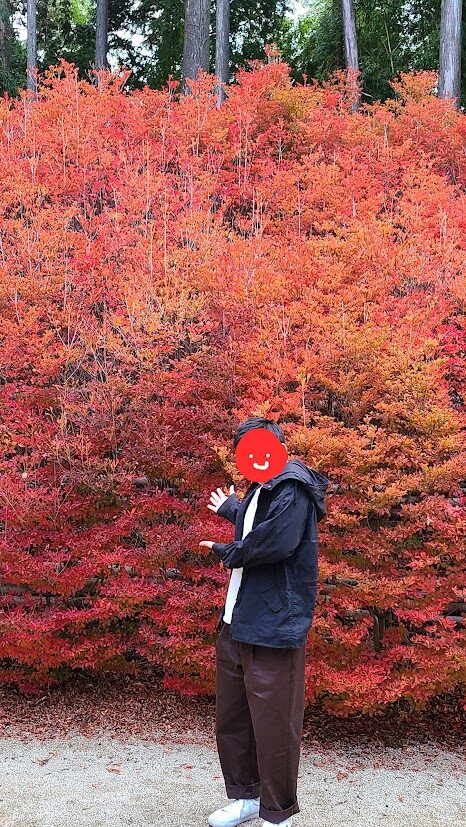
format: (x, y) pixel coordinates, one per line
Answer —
(106, 782)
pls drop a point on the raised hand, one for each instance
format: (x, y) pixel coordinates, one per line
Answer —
(218, 497)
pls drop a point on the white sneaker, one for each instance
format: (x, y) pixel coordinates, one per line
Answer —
(286, 823)
(240, 809)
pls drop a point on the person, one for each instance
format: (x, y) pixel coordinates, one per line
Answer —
(262, 629)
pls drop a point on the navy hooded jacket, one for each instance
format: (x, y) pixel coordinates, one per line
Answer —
(277, 595)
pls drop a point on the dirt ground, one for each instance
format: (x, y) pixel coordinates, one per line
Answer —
(106, 783)
(117, 753)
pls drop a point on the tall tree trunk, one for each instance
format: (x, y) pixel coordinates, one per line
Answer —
(101, 35)
(6, 35)
(449, 82)
(351, 42)
(338, 54)
(31, 46)
(222, 47)
(196, 39)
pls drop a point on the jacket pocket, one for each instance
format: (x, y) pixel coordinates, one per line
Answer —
(272, 598)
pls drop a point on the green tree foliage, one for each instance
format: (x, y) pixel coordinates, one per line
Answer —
(393, 36)
(12, 52)
(147, 37)
(65, 28)
(16, 76)
(253, 23)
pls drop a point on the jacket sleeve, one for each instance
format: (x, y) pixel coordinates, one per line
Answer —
(276, 538)
(229, 508)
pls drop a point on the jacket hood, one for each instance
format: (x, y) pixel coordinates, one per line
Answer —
(314, 482)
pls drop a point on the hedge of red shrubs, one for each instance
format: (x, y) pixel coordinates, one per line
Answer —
(167, 269)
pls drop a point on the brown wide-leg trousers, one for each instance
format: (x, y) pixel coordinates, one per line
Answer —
(259, 722)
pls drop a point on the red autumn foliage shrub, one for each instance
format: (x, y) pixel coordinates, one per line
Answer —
(168, 269)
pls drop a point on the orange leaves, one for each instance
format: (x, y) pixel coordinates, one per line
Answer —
(166, 268)
(415, 85)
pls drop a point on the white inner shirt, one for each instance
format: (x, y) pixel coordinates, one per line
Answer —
(236, 574)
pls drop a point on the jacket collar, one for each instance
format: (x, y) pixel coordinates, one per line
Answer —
(313, 481)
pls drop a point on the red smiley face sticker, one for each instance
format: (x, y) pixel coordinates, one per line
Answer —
(260, 455)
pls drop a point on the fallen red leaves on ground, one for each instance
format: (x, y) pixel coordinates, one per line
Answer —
(124, 707)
